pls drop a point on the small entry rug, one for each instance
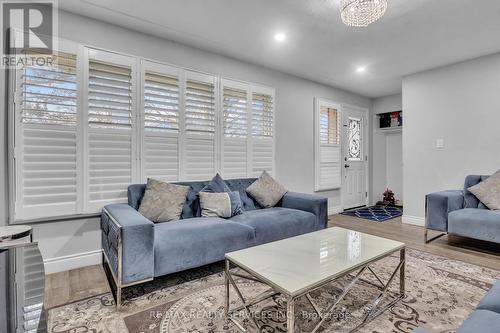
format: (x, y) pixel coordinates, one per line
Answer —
(441, 293)
(376, 213)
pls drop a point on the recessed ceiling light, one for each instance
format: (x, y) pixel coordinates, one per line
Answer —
(361, 69)
(280, 37)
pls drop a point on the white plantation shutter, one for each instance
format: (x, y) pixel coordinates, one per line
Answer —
(161, 117)
(93, 122)
(262, 131)
(247, 146)
(199, 127)
(111, 125)
(327, 146)
(235, 129)
(45, 142)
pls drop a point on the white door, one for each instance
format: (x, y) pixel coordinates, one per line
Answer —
(354, 192)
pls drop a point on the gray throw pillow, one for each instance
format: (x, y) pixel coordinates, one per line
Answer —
(266, 191)
(488, 191)
(217, 185)
(215, 204)
(163, 202)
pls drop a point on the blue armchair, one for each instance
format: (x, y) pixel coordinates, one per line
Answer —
(459, 212)
(137, 250)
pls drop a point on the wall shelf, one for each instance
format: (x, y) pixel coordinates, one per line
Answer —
(390, 122)
(391, 129)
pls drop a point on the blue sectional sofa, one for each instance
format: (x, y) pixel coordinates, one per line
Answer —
(136, 250)
(486, 317)
(459, 212)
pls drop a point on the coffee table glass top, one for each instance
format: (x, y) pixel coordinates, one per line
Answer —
(296, 265)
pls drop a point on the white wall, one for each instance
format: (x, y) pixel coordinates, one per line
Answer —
(294, 124)
(387, 150)
(460, 104)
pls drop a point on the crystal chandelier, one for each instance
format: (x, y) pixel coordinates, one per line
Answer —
(361, 13)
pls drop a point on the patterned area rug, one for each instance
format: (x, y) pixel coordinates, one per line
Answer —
(440, 295)
(376, 213)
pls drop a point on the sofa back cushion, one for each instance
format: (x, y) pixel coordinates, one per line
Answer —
(191, 207)
(471, 201)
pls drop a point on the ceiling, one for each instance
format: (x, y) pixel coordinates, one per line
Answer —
(414, 35)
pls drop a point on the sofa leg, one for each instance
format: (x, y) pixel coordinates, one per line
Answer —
(428, 240)
(118, 298)
(115, 286)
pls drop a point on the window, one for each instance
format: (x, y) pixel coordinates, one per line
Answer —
(235, 120)
(110, 140)
(262, 131)
(328, 126)
(327, 147)
(95, 122)
(200, 126)
(45, 153)
(248, 129)
(161, 122)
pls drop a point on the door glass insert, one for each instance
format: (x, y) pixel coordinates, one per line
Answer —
(354, 147)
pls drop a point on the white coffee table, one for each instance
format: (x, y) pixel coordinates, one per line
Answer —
(296, 266)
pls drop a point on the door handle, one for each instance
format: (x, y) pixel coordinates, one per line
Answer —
(346, 165)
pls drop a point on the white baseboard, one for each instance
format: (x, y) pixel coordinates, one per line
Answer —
(334, 210)
(414, 220)
(72, 261)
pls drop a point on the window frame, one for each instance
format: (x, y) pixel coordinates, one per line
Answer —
(250, 89)
(84, 53)
(15, 135)
(117, 59)
(318, 104)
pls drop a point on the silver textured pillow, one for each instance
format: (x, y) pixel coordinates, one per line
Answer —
(163, 202)
(488, 191)
(215, 204)
(266, 190)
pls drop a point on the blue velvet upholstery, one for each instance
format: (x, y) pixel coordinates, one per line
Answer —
(483, 224)
(439, 205)
(138, 235)
(241, 186)
(192, 206)
(276, 223)
(151, 250)
(486, 317)
(481, 321)
(461, 213)
(216, 185)
(491, 301)
(135, 193)
(309, 203)
(196, 242)
(236, 205)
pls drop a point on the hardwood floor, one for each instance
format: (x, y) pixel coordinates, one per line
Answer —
(70, 286)
(469, 250)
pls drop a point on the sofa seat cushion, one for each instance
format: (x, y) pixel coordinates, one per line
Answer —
(194, 242)
(475, 223)
(491, 301)
(480, 321)
(272, 224)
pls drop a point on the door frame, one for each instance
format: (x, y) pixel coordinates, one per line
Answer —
(366, 152)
